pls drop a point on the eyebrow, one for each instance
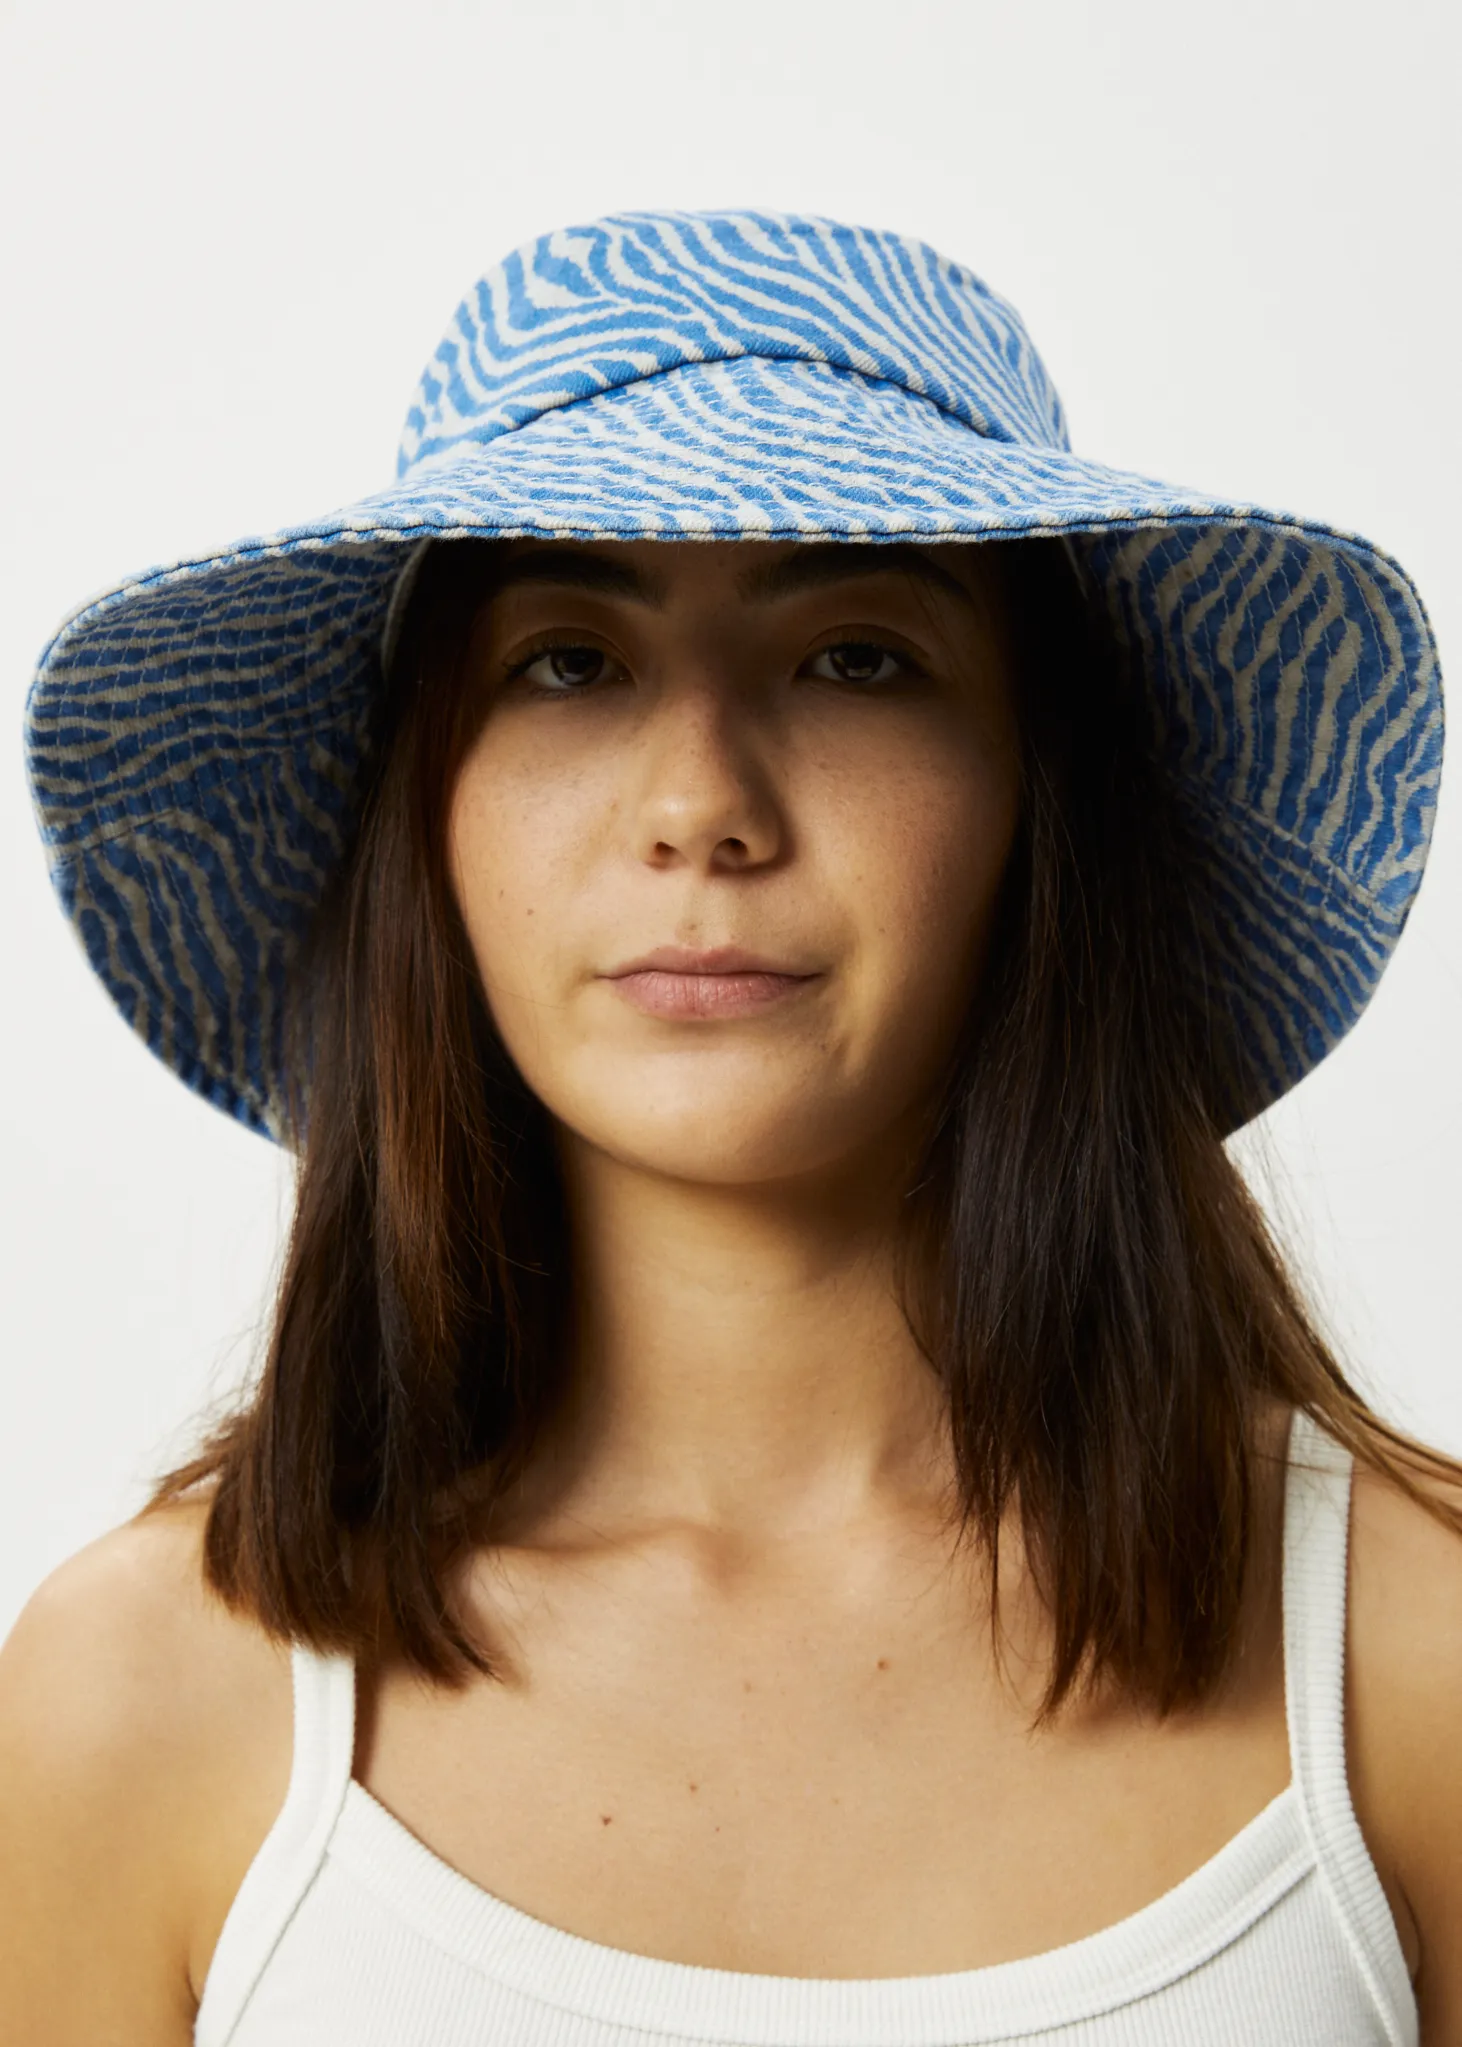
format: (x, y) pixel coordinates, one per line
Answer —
(812, 565)
(571, 569)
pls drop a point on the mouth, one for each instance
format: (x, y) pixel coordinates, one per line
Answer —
(723, 981)
(715, 959)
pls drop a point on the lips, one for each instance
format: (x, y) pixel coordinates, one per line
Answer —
(717, 959)
(717, 982)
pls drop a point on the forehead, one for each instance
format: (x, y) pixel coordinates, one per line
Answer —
(662, 574)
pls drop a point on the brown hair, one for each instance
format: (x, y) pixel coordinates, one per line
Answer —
(1108, 1312)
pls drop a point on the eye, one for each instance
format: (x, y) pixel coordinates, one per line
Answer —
(563, 670)
(864, 663)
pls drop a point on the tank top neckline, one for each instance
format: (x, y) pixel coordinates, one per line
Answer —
(1177, 1932)
(1308, 1829)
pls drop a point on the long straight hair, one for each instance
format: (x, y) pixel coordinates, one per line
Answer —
(1087, 1270)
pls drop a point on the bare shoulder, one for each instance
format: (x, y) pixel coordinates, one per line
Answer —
(1404, 1712)
(125, 1654)
(144, 1748)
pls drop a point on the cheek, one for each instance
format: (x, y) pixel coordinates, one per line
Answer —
(924, 865)
(514, 832)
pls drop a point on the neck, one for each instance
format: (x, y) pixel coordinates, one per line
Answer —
(741, 1360)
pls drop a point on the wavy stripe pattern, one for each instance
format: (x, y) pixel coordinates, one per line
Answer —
(194, 737)
(590, 309)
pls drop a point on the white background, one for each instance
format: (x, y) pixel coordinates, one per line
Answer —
(233, 235)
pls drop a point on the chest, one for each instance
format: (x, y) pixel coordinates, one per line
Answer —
(794, 1786)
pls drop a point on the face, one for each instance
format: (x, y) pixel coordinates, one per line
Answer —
(728, 839)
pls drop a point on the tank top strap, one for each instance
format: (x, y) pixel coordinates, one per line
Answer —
(1316, 1566)
(293, 1849)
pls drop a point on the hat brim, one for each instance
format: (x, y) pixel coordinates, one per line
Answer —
(194, 736)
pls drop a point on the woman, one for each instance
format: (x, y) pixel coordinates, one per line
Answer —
(792, 1498)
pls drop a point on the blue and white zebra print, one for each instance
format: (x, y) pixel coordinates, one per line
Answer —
(194, 735)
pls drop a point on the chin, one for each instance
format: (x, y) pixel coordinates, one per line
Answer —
(740, 1142)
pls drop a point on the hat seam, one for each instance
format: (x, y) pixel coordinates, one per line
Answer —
(989, 431)
(1319, 867)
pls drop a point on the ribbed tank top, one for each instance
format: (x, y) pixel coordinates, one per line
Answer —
(348, 1932)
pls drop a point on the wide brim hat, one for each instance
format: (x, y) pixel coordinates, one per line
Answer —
(195, 736)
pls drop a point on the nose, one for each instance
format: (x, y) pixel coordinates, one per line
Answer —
(705, 796)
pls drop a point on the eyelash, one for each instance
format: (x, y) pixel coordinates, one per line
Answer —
(563, 642)
(551, 643)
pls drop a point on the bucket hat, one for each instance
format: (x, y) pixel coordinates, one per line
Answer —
(195, 735)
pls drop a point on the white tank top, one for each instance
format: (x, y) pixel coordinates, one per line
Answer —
(348, 1932)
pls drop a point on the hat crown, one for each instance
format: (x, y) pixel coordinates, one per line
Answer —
(588, 309)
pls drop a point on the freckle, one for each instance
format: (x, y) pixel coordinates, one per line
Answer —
(605, 1818)
(746, 1684)
(883, 1663)
(695, 1787)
